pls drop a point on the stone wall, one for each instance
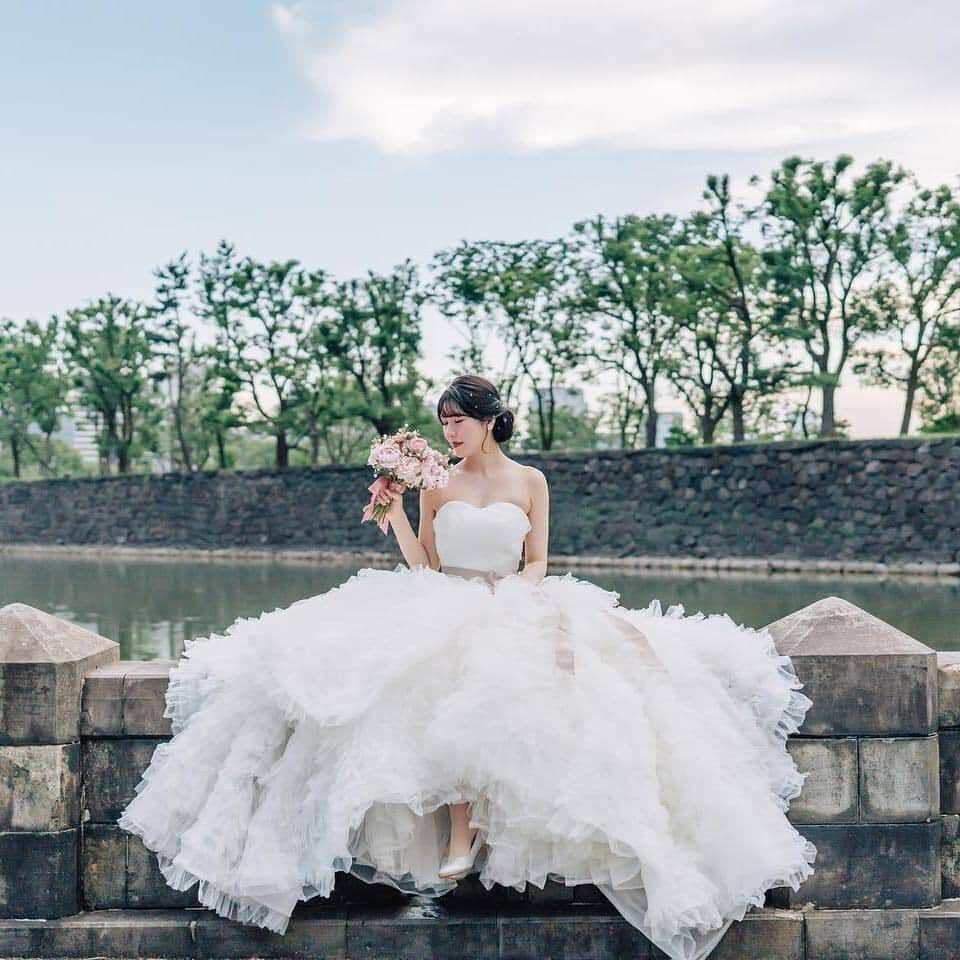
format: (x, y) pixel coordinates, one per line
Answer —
(876, 501)
(881, 746)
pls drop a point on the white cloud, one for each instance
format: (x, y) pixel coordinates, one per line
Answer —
(415, 77)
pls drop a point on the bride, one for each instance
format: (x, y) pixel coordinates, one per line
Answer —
(459, 714)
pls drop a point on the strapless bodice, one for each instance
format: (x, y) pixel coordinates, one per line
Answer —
(488, 538)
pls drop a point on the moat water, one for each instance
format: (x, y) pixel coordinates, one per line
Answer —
(151, 606)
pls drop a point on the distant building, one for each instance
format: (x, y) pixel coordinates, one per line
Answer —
(79, 433)
(666, 420)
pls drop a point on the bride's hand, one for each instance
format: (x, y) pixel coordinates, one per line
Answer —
(393, 493)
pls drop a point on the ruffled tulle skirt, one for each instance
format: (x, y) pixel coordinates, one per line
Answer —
(640, 751)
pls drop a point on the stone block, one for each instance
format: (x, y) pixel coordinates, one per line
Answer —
(948, 681)
(940, 931)
(145, 884)
(872, 866)
(38, 874)
(112, 768)
(763, 935)
(127, 698)
(566, 932)
(830, 791)
(40, 787)
(102, 933)
(101, 704)
(315, 930)
(103, 866)
(899, 779)
(863, 935)
(420, 928)
(950, 856)
(865, 677)
(144, 698)
(950, 771)
(43, 661)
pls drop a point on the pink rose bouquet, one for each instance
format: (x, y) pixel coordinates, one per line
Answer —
(402, 460)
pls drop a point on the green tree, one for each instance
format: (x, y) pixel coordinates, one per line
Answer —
(571, 431)
(732, 355)
(457, 289)
(33, 392)
(194, 396)
(921, 299)
(372, 333)
(263, 313)
(110, 353)
(519, 290)
(622, 413)
(940, 385)
(825, 229)
(624, 283)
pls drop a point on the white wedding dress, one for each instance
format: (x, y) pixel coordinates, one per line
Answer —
(640, 751)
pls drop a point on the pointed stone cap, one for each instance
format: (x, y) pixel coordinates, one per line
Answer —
(43, 661)
(865, 677)
(29, 635)
(837, 627)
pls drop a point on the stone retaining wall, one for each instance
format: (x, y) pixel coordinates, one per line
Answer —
(882, 803)
(875, 501)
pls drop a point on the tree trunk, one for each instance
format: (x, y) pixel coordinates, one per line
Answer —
(736, 405)
(908, 405)
(123, 458)
(828, 421)
(651, 437)
(186, 457)
(15, 454)
(221, 451)
(708, 429)
(283, 451)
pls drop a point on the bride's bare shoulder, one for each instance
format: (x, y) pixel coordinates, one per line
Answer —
(534, 476)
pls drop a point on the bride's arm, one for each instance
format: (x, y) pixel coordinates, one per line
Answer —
(535, 546)
(418, 551)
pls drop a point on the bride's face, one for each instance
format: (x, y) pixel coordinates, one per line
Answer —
(465, 434)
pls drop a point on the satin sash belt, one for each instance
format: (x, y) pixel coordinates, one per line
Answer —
(489, 575)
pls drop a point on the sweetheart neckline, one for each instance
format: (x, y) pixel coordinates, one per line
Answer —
(484, 507)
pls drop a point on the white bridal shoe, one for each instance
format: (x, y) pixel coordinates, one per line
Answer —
(454, 868)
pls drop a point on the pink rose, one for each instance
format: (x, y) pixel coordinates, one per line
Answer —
(433, 474)
(417, 446)
(409, 470)
(386, 456)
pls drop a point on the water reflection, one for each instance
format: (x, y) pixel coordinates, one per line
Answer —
(151, 606)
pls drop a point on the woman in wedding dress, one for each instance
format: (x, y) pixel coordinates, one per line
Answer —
(459, 714)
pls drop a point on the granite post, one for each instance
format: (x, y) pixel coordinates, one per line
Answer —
(43, 662)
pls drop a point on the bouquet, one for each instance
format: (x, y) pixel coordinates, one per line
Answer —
(402, 460)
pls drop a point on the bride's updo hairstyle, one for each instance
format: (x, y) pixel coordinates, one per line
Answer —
(473, 396)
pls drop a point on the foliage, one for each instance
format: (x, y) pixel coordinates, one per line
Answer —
(825, 228)
(625, 285)
(918, 304)
(33, 392)
(372, 335)
(748, 313)
(110, 355)
(516, 293)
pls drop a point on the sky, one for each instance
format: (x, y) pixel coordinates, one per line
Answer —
(352, 134)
